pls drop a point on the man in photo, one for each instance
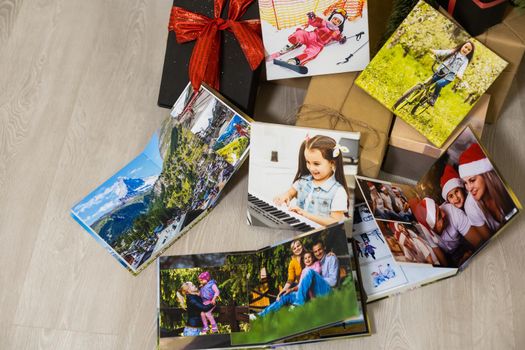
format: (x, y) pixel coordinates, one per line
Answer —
(447, 227)
(311, 284)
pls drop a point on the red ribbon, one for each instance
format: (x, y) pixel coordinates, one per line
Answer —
(478, 3)
(204, 62)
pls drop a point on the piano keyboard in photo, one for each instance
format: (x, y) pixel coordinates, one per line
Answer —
(261, 213)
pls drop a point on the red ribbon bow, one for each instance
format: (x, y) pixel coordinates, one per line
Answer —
(204, 62)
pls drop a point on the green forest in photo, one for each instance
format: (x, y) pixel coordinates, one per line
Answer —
(230, 281)
(406, 60)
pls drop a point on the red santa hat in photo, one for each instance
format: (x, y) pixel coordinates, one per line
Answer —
(449, 180)
(425, 213)
(473, 162)
(371, 186)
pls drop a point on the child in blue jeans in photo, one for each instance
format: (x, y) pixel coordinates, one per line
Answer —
(319, 186)
(209, 293)
(455, 61)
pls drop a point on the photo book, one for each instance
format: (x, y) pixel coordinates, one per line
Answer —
(301, 290)
(407, 236)
(301, 178)
(312, 37)
(430, 73)
(142, 209)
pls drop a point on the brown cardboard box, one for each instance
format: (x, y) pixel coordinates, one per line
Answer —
(410, 154)
(338, 92)
(507, 39)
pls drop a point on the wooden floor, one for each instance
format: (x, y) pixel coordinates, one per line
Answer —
(78, 90)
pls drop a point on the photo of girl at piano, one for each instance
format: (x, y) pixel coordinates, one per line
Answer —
(319, 187)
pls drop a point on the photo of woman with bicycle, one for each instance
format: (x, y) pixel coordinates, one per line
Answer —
(430, 73)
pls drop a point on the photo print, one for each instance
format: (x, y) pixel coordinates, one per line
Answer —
(301, 178)
(202, 299)
(152, 201)
(307, 38)
(378, 267)
(456, 208)
(386, 201)
(302, 284)
(471, 201)
(430, 73)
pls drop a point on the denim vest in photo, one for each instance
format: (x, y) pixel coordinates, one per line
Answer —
(314, 199)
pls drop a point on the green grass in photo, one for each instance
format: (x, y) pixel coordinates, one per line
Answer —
(339, 305)
(407, 59)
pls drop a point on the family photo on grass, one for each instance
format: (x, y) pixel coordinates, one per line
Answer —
(304, 283)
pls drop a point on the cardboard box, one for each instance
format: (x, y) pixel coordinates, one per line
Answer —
(339, 93)
(507, 39)
(238, 83)
(410, 154)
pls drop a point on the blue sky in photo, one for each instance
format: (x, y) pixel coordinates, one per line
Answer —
(148, 166)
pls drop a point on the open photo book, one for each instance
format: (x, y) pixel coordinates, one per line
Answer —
(407, 236)
(142, 209)
(301, 178)
(301, 290)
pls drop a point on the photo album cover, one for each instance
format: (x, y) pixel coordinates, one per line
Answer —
(300, 290)
(312, 37)
(430, 73)
(411, 235)
(159, 195)
(301, 178)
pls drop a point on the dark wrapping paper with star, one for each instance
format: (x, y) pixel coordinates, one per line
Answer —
(237, 82)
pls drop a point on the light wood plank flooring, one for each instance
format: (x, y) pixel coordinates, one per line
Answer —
(78, 90)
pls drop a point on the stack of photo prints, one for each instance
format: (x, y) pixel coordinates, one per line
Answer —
(172, 184)
(357, 239)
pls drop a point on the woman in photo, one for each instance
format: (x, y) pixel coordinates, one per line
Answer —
(319, 186)
(295, 267)
(453, 191)
(453, 65)
(488, 202)
(309, 262)
(190, 299)
(378, 205)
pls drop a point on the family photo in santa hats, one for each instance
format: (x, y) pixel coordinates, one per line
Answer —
(462, 201)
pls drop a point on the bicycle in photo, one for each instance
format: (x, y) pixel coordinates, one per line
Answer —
(417, 97)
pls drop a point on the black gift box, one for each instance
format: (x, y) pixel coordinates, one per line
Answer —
(476, 16)
(237, 82)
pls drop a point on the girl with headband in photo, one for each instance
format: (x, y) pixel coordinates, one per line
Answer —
(319, 186)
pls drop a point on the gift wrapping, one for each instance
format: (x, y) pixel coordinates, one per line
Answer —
(507, 39)
(339, 93)
(410, 154)
(238, 83)
(476, 15)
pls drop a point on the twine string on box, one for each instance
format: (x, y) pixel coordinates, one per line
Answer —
(308, 112)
